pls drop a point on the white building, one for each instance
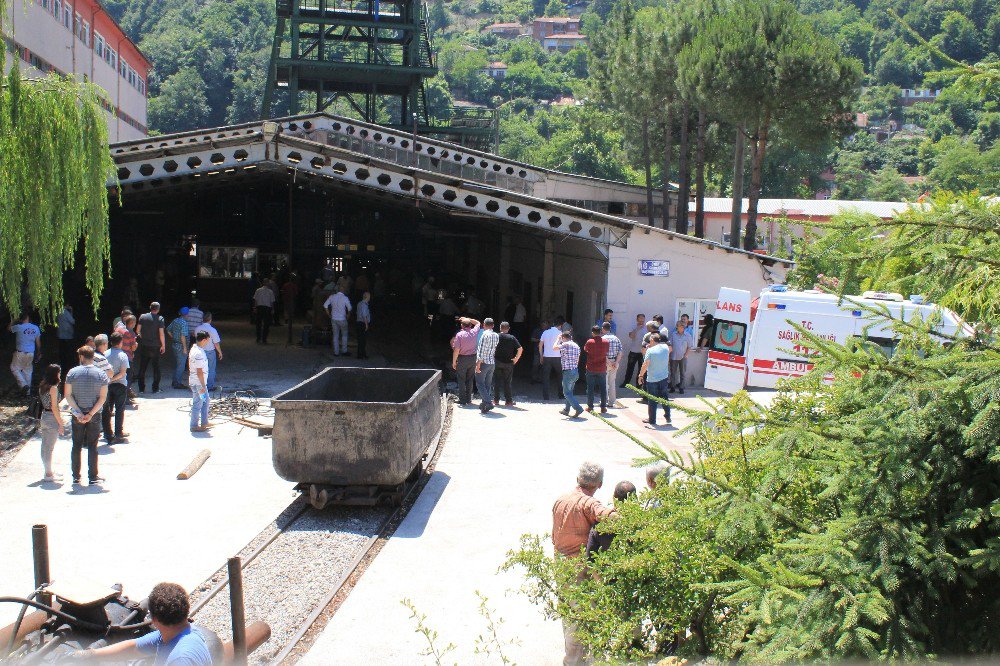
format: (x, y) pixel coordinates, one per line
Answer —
(79, 38)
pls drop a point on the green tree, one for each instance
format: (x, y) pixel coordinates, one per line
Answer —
(53, 194)
(852, 521)
(182, 102)
(853, 178)
(764, 66)
(888, 185)
(555, 8)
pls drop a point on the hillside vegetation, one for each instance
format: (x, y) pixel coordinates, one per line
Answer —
(211, 58)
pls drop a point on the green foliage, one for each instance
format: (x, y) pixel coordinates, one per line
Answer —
(53, 194)
(209, 58)
(852, 521)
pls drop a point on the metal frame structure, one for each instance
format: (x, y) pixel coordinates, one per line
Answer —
(364, 52)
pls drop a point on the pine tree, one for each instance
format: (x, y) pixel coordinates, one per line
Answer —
(853, 520)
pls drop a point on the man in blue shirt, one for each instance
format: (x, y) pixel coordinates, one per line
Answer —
(174, 643)
(27, 345)
(656, 370)
(609, 318)
(179, 333)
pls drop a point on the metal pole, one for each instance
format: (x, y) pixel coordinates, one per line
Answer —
(291, 218)
(40, 554)
(236, 610)
(416, 184)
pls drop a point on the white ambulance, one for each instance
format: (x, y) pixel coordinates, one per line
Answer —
(752, 343)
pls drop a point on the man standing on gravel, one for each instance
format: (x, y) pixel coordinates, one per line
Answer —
(486, 364)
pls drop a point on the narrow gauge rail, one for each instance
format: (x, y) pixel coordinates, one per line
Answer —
(298, 571)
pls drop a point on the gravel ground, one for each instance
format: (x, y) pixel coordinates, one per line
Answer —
(291, 576)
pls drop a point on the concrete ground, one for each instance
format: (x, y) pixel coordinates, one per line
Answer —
(144, 526)
(496, 480)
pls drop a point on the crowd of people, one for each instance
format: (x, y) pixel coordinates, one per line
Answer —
(483, 360)
(575, 517)
(98, 380)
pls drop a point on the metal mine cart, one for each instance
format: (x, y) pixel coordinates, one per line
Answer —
(356, 435)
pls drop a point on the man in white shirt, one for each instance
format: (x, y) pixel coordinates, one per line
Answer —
(338, 305)
(550, 357)
(635, 350)
(198, 381)
(27, 345)
(212, 350)
(263, 310)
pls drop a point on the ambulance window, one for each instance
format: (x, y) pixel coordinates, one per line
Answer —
(887, 345)
(728, 337)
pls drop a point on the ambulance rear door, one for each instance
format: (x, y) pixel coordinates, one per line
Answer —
(727, 363)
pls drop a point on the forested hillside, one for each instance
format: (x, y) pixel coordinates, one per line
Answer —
(562, 110)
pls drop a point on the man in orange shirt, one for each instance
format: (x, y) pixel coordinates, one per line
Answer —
(573, 515)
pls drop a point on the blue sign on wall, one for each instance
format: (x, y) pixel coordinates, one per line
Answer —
(654, 267)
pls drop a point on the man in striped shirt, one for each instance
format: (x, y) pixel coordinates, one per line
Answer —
(614, 358)
(569, 359)
(486, 364)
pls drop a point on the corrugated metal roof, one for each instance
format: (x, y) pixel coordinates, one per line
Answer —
(810, 207)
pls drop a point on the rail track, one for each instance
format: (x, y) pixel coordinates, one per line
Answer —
(298, 571)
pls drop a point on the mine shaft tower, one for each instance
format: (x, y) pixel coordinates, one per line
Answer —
(365, 51)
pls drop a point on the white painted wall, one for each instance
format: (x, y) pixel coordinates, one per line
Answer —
(697, 270)
(37, 29)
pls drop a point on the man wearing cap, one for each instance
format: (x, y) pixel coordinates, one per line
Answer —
(179, 333)
(463, 359)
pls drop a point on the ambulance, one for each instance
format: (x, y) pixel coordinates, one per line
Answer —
(753, 342)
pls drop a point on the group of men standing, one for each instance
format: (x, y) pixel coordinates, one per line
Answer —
(483, 358)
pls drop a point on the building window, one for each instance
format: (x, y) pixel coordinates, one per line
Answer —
(85, 34)
(68, 15)
(45, 5)
(123, 68)
(98, 45)
(57, 9)
(142, 86)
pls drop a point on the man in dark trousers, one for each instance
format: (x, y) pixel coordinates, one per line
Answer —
(507, 355)
(152, 345)
(86, 391)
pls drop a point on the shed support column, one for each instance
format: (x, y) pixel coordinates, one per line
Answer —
(548, 280)
(504, 277)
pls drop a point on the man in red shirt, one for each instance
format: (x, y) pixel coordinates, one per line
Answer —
(573, 515)
(597, 369)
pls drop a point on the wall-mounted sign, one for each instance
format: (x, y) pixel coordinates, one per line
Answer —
(654, 267)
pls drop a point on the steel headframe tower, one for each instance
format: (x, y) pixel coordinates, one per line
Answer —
(357, 50)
